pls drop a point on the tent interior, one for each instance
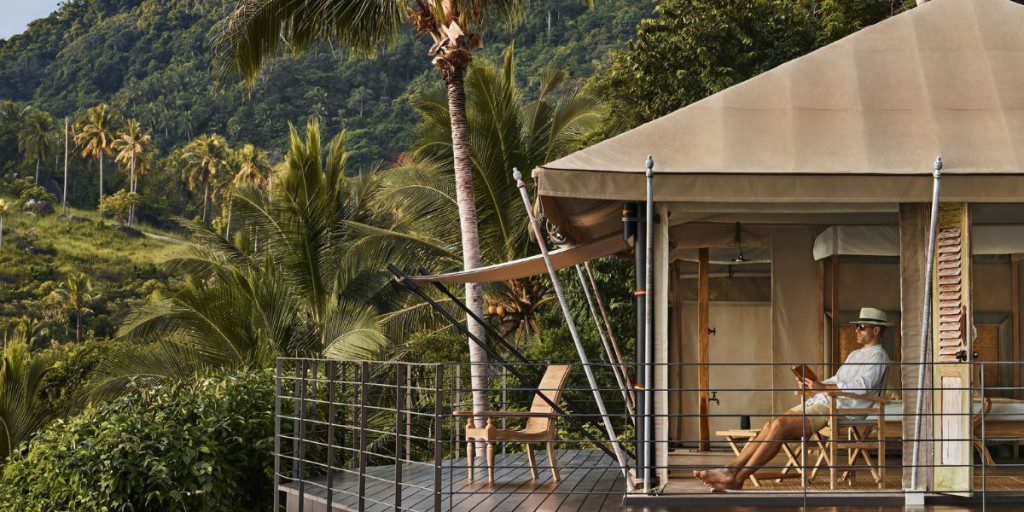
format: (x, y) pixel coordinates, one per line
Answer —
(785, 288)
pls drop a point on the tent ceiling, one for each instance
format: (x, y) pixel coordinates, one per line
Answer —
(857, 121)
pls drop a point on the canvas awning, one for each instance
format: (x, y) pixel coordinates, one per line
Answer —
(564, 257)
(860, 120)
(885, 241)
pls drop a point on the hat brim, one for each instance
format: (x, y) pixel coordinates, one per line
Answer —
(871, 322)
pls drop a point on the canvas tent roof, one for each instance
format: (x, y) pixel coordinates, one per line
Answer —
(860, 120)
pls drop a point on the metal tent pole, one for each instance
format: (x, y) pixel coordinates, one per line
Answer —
(925, 325)
(557, 285)
(648, 323)
(604, 341)
(608, 329)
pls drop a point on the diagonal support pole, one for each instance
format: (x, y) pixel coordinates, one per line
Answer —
(571, 324)
(608, 328)
(616, 369)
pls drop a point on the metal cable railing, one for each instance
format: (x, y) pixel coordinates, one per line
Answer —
(388, 435)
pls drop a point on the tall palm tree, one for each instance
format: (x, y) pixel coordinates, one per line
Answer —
(509, 130)
(5, 208)
(95, 134)
(22, 408)
(35, 139)
(76, 294)
(205, 159)
(254, 32)
(133, 148)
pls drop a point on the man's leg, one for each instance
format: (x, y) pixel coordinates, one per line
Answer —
(758, 452)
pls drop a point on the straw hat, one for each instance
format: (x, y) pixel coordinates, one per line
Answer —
(872, 316)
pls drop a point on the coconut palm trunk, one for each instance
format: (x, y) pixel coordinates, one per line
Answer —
(1, 232)
(206, 199)
(101, 176)
(64, 193)
(465, 197)
(131, 189)
(37, 170)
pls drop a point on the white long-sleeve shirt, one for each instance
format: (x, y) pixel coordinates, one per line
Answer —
(861, 374)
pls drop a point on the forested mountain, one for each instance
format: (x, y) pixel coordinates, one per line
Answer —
(151, 60)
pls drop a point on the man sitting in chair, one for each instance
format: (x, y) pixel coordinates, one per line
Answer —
(861, 374)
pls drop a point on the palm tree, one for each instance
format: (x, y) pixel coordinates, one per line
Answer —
(29, 329)
(133, 148)
(76, 295)
(290, 294)
(35, 139)
(5, 208)
(96, 133)
(247, 165)
(509, 130)
(256, 29)
(22, 409)
(204, 159)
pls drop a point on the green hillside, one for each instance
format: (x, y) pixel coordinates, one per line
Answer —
(151, 60)
(40, 253)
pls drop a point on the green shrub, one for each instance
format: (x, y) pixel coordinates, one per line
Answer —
(74, 363)
(205, 445)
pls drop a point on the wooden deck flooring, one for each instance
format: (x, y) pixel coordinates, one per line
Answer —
(998, 479)
(590, 482)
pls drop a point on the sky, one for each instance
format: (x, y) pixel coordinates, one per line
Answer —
(18, 13)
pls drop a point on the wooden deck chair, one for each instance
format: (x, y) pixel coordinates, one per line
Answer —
(539, 428)
(863, 434)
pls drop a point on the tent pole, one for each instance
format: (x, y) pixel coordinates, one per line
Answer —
(604, 340)
(557, 285)
(493, 354)
(608, 328)
(925, 326)
(648, 323)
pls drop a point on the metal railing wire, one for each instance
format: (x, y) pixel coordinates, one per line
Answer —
(357, 435)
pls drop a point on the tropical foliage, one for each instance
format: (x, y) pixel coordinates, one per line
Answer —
(204, 445)
(284, 286)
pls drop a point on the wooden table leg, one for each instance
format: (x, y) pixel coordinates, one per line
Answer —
(736, 450)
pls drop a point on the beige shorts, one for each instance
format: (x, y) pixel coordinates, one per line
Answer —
(817, 415)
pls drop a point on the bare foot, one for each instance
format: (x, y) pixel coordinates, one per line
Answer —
(719, 480)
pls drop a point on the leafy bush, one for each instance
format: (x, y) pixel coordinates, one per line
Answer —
(63, 389)
(205, 445)
(25, 190)
(118, 205)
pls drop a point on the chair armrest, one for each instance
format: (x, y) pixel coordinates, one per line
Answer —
(504, 414)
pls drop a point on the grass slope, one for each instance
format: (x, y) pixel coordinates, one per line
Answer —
(40, 252)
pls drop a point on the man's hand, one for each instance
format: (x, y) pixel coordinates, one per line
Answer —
(813, 385)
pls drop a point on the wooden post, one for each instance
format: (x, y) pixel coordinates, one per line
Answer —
(833, 293)
(1015, 315)
(703, 331)
(825, 357)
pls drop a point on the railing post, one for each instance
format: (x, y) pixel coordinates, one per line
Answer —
(332, 376)
(399, 420)
(363, 369)
(438, 390)
(299, 465)
(278, 373)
